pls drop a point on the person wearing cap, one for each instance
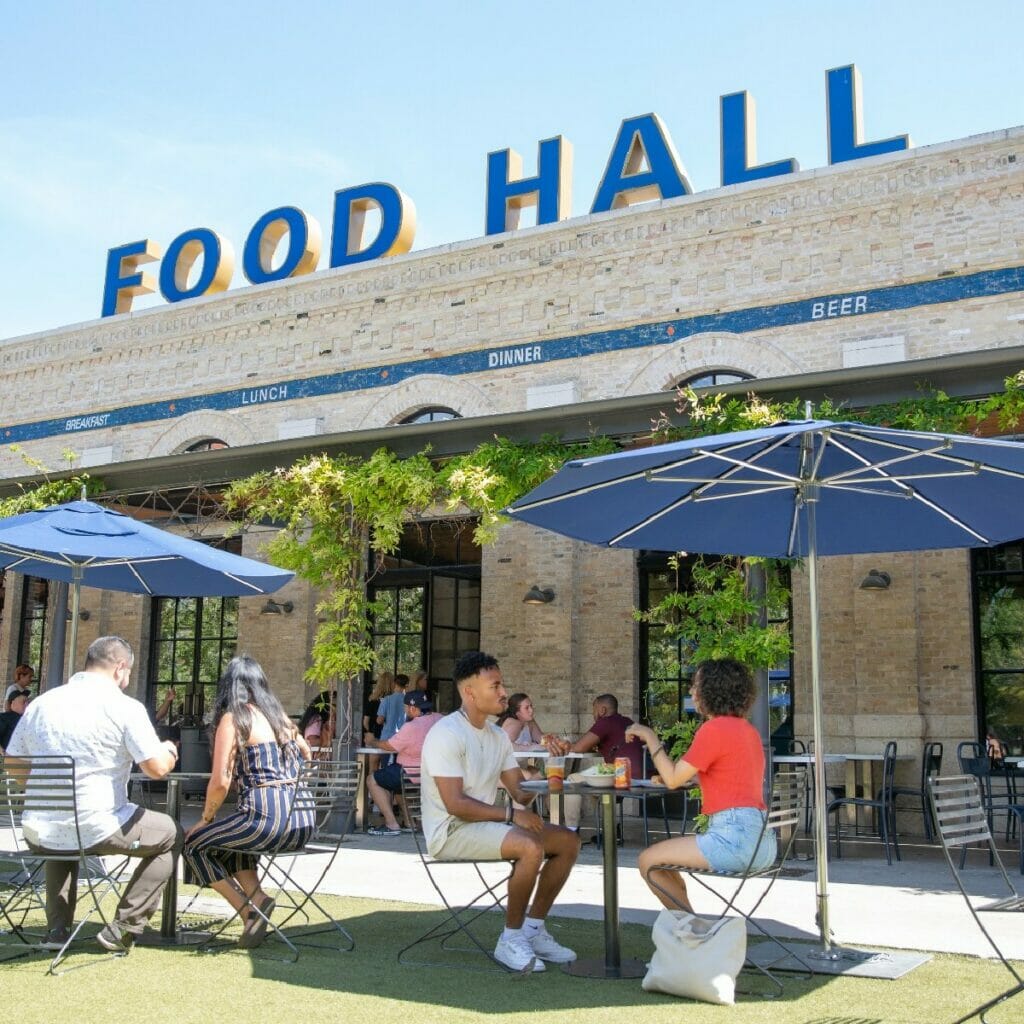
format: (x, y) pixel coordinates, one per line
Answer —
(407, 743)
(15, 701)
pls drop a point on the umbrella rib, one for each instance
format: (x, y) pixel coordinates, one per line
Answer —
(913, 492)
(857, 481)
(750, 464)
(766, 489)
(908, 453)
(245, 583)
(935, 454)
(695, 494)
(142, 582)
(627, 478)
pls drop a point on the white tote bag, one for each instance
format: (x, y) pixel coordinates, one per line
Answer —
(696, 957)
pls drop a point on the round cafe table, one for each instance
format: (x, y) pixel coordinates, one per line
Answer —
(611, 965)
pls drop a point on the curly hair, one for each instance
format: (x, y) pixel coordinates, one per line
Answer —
(724, 687)
(472, 663)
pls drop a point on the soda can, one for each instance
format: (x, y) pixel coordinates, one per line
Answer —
(623, 778)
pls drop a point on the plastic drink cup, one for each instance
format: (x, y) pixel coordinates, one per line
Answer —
(554, 769)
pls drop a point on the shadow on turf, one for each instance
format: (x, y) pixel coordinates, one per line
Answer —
(373, 968)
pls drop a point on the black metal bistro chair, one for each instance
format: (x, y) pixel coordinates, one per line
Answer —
(931, 765)
(882, 804)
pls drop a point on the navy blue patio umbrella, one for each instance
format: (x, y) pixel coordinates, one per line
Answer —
(793, 490)
(85, 544)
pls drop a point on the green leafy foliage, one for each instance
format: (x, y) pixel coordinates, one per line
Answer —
(48, 491)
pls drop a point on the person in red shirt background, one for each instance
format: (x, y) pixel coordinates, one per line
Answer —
(728, 759)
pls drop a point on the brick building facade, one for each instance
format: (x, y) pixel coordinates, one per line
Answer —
(901, 260)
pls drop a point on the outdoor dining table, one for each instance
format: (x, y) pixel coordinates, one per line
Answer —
(169, 934)
(611, 965)
(363, 807)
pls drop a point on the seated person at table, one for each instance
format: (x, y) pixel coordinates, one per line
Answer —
(465, 756)
(407, 743)
(518, 722)
(15, 701)
(104, 730)
(257, 746)
(607, 736)
(727, 757)
(317, 724)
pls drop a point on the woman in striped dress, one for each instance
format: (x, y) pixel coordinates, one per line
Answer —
(257, 746)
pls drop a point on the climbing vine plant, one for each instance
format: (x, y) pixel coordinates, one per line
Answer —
(50, 489)
(332, 511)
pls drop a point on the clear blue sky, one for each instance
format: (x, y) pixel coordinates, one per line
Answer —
(121, 121)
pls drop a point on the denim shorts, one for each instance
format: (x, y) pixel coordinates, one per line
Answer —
(732, 835)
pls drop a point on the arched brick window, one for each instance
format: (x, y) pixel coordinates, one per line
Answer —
(432, 414)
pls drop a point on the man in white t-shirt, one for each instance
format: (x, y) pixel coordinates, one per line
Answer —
(92, 720)
(464, 758)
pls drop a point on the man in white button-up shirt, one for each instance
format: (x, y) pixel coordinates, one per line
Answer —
(91, 719)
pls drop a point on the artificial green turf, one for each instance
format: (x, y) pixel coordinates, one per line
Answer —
(368, 986)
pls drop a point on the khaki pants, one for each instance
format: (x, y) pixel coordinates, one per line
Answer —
(152, 837)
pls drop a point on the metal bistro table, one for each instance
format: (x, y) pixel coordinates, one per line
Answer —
(363, 808)
(169, 934)
(611, 965)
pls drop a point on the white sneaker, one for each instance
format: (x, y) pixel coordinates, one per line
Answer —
(518, 954)
(546, 948)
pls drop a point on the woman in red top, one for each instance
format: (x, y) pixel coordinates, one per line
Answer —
(727, 757)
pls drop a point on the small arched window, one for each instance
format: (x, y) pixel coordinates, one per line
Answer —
(207, 444)
(712, 379)
(432, 414)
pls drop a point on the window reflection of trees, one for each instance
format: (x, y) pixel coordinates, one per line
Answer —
(999, 604)
(196, 637)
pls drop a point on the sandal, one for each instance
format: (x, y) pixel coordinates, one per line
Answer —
(254, 931)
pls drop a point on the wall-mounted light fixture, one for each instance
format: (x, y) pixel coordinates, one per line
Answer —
(535, 595)
(84, 614)
(876, 580)
(271, 607)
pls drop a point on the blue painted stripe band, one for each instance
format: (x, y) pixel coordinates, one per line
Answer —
(743, 321)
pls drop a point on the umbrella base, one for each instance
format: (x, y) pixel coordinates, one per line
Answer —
(854, 963)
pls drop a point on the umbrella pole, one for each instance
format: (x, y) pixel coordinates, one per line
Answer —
(76, 594)
(820, 822)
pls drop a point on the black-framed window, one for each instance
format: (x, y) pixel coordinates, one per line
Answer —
(713, 379)
(193, 640)
(432, 414)
(666, 665)
(435, 574)
(35, 596)
(998, 584)
(398, 628)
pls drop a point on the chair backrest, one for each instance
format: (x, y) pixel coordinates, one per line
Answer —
(785, 811)
(961, 819)
(931, 762)
(412, 801)
(328, 788)
(43, 783)
(959, 812)
(797, 747)
(967, 749)
(888, 769)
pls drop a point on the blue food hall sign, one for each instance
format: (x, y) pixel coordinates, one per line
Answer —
(642, 165)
